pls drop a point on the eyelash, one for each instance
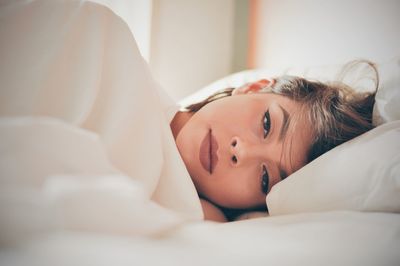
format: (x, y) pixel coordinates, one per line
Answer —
(266, 123)
(265, 177)
(264, 181)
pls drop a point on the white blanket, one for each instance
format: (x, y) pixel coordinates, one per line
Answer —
(330, 238)
(92, 110)
(90, 175)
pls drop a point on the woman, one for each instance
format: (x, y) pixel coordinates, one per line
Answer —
(237, 148)
(104, 86)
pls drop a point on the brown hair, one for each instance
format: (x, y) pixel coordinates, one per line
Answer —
(337, 112)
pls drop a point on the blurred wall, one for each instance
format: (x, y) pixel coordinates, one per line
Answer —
(313, 32)
(191, 43)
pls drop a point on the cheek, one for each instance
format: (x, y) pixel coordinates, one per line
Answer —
(234, 120)
(228, 107)
(188, 139)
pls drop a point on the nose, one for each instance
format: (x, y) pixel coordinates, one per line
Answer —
(242, 152)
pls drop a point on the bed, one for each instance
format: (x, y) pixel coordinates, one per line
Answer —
(90, 174)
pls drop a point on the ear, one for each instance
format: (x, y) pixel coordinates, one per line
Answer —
(253, 87)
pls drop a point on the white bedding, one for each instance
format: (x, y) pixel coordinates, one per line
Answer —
(330, 238)
(81, 65)
(74, 190)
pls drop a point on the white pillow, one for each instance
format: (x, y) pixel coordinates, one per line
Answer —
(388, 97)
(362, 174)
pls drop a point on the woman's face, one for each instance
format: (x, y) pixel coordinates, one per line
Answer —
(237, 148)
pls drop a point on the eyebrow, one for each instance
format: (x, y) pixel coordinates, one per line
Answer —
(285, 124)
(282, 134)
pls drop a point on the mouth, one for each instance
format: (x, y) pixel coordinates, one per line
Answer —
(208, 152)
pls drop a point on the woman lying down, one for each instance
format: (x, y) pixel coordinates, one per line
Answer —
(240, 142)
(236, 145)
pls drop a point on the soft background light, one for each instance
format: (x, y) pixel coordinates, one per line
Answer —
(312, 32)
(190, 43)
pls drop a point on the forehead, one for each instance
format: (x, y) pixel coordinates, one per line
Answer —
(299, 137)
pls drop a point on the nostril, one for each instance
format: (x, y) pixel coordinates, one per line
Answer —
(234, 142)
(234, 159)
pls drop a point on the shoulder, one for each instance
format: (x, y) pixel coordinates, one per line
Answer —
(212, 212)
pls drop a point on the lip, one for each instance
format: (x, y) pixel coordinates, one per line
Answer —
(208, 152)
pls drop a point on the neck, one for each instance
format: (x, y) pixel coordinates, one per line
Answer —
(179, 121)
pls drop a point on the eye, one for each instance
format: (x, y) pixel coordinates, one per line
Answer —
(266, 123)
(264, 181)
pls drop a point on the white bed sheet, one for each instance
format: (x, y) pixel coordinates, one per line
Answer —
(330, 238)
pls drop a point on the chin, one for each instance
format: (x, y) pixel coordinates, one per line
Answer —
(232, 203)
